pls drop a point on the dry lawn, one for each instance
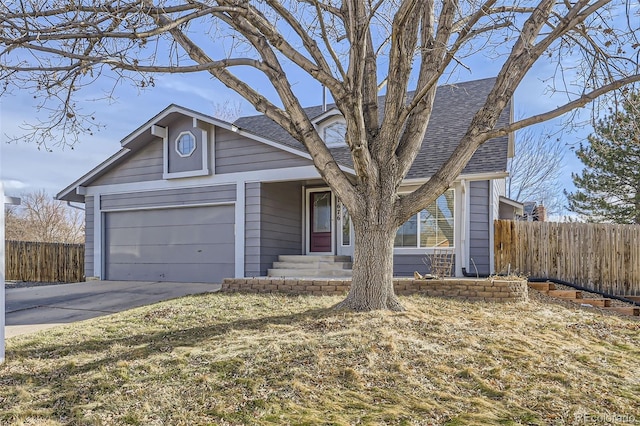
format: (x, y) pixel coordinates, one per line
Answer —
(225, 359)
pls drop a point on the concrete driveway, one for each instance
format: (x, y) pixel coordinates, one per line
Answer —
(37, 308)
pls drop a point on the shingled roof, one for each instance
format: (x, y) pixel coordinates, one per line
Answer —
(454, 107)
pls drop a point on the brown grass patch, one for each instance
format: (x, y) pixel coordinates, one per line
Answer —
(229, 359)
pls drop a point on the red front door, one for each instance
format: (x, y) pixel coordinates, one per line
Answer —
(320, 218)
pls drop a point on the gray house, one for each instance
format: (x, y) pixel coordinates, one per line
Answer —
(193, 198)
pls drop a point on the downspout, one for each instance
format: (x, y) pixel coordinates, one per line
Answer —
(581, 288)
(75, 207)
(463, 225)
(476, 275)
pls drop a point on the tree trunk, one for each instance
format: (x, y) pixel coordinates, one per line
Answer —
(372, 282)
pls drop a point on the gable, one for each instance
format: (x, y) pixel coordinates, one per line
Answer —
(145, 164)
(235, 153)
(155, 151)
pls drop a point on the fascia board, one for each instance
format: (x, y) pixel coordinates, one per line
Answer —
(88, 176)
(468, 177)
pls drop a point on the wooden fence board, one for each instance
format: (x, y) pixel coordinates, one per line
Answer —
(44, 262)
(604, 257)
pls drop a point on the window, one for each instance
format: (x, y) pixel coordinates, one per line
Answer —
(346, 226)
(432, 227)
(334, 134)
(321, 212)
(185, 144)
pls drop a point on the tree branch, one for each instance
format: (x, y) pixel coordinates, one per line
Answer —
(327, 43)
(42, 36)
(320, 71)
(569, 106)
(434, 55)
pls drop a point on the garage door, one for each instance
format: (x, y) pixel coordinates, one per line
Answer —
(193, 244)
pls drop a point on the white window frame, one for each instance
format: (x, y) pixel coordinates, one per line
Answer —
(343, 212)
(418, 248)
(330, 118)
(176, 143)
(207, 138)
(335, 144)
(307, 215)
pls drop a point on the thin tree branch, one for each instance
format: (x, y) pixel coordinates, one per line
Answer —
(569, 106)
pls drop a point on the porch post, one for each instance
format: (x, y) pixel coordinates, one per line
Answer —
(9, 201)
(239, 228)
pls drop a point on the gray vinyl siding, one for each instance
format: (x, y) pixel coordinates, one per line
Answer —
(281, 222)
(88, 236)
(235, 153)
(170, 197)
(252, 230)
(144, 165)
(404, 265)
(479, 228)
(176, 162)
(273, 224)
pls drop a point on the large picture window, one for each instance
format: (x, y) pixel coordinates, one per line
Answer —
(432, 227)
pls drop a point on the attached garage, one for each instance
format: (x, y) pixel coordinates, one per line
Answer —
(187, 244)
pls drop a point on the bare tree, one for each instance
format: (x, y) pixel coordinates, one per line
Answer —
(351, 47)
(12, 223)
(41, 218)
(228, 111)
(535, 171)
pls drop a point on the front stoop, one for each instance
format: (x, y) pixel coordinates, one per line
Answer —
(310, 266)
(576, 297)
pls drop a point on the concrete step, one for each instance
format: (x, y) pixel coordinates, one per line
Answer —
(289, 258)
(310, 273)
(542, 286)
(601, 303)
(310, 265)
(565, 294)
(626, 310)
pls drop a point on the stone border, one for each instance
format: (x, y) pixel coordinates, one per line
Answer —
(472, 289)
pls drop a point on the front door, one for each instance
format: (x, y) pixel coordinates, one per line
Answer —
(320, 222)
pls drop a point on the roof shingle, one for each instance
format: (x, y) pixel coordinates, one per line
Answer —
(454, 108)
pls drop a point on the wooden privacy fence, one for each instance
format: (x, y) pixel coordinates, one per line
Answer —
(44, 262)
(603, 257)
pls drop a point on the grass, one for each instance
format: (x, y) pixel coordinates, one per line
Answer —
(247, 359)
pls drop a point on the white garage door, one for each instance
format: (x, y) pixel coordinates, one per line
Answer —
(193, 244)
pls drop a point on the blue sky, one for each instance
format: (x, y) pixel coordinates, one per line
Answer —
(25, 168)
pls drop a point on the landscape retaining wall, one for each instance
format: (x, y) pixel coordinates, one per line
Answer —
(487, 290)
